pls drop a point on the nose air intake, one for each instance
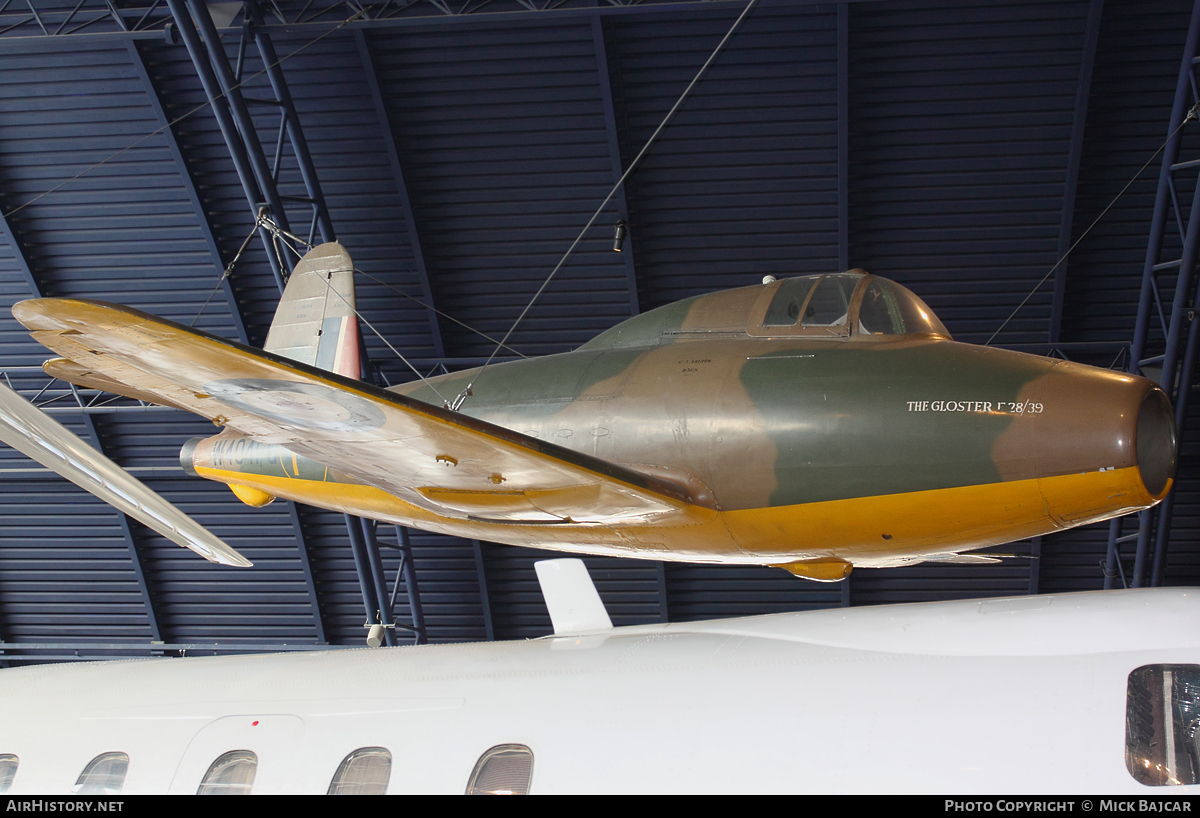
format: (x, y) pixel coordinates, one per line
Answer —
(1156, 441)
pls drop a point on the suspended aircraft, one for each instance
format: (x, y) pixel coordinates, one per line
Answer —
(1093, 693)
(815, 423)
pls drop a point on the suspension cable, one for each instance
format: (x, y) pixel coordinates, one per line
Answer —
(462, 396)
(1192, 114)
(179, 119)
(228, 270)
(275, 230)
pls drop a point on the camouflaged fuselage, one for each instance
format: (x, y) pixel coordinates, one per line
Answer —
(813, 442)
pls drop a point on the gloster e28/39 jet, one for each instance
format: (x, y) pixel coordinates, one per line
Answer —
(814, 423)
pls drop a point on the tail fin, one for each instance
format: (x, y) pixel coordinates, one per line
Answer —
(315, 323)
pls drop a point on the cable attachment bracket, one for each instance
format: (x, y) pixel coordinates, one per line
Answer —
(460, 399)
(265, 221)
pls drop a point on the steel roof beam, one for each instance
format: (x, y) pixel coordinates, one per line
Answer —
(83, 19)
(189, 185)
(369, 569)
(614, 155)
(35, 288)
(397, 167)
(484, 602)
(208, 55)
(220, 108)
(245, 149)
(1075, 152)
(266, 50)
(386, 616)
(408, 570)
(231, 90)
(1176, 347)
(155, 24)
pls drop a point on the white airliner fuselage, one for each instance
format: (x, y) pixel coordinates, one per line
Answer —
(1008, 695)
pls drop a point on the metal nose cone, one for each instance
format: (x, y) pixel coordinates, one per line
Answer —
(187, 456)
(1101, 443)
(1155, 442)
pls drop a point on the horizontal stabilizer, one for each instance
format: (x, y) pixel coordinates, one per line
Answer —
(35, 434)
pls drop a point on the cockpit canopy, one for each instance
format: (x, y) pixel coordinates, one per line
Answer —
(853, 305)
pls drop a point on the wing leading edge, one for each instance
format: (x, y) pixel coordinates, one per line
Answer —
(40, 437)
(449, 463)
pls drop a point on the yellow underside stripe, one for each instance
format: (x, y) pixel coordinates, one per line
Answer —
(864, 530)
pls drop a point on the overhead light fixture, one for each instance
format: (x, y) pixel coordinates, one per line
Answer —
(375, 636)
(620, 230)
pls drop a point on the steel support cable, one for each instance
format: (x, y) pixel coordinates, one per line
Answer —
(273, 228)
(184, 116)
(228, 270)
(462, 396)
(1192, 114)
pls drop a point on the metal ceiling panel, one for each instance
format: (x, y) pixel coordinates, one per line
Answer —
(1133, 86)
(961, 120)
(744, 181)
(502, 139)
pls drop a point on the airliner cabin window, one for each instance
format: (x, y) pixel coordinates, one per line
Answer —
(231, 774)
(104, 775)
(8, 771)
(503, 770)
(364, 772)
(1162, 724)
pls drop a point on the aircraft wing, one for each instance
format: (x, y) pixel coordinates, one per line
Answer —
(35, 434)
(437, 459)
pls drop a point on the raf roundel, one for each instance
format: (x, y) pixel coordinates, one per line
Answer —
(306, 405)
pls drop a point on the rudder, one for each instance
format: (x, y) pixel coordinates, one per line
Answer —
(315, 323)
